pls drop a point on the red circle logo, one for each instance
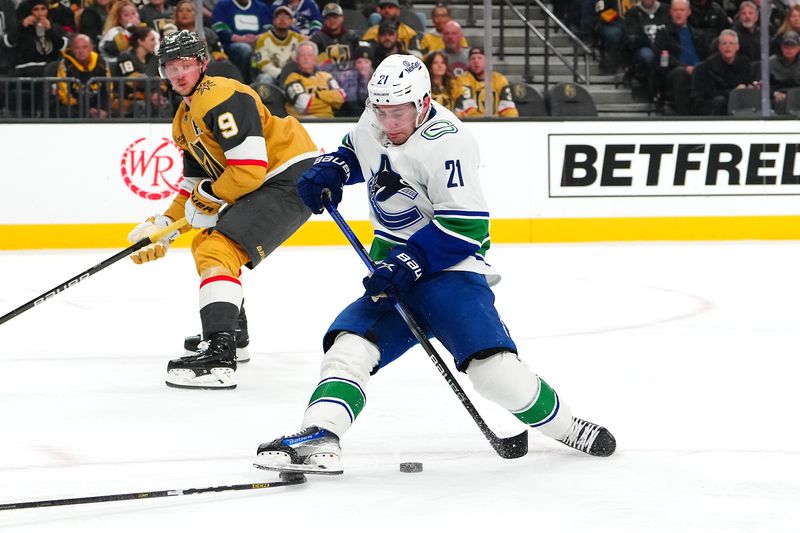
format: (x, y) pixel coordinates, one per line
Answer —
(152, 170)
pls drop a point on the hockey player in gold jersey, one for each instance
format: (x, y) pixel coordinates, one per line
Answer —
(240, 169)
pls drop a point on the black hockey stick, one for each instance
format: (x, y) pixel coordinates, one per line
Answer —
(95, 269)
(508, 447)
(286, 480)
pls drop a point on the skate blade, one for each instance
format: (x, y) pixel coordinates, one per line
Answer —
(199, 387)
(300, 469)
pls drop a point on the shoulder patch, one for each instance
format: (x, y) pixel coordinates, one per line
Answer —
(438, 129)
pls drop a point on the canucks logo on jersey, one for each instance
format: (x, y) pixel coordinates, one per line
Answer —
(392, 198)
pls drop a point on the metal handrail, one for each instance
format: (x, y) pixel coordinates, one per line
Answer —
(578, 46)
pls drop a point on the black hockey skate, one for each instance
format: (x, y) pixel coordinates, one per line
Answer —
(590, 438)
(192, 343)
(213, 367)
(311, 451)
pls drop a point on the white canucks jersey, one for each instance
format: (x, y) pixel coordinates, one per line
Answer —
(425, 192)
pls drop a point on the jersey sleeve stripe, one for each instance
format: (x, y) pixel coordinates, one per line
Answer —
(252, 147)
(461, 214)
(456, 235)
(253, 162)
(184, 192)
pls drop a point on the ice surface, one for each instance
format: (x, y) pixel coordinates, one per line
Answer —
(687, 352)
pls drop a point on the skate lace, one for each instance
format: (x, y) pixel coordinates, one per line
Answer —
(581, 434)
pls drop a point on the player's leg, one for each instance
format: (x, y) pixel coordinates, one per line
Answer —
(349, 361)
(218, 261)
(247, 232)
(459, 310)
(192, 343)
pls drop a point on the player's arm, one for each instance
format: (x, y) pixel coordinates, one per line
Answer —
(236, 126)
(296, 94)
(329, 174)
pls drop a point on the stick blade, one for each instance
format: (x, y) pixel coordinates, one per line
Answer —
(511, 447)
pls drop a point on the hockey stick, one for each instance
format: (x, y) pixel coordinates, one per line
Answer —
(508, 447)
(178, 224)
(294, 479)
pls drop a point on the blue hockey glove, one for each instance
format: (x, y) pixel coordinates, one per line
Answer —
(395, 275)
(328, 173)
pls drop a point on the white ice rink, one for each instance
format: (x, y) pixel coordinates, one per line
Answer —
(688, 353)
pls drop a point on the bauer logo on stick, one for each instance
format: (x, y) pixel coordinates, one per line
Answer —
(152, 169)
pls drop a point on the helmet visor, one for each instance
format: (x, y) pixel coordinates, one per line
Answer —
(397, 121)
(179, 69)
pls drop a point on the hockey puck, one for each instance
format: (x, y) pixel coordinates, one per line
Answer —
(410, 467)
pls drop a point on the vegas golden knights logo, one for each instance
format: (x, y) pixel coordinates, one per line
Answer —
(205, 159)
(339, 54)
(520, 91)
(569, 91)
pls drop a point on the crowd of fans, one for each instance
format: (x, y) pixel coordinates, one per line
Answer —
(686, 56)
(689, 55)
(304, 49)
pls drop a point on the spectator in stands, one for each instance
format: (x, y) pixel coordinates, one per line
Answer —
(61, 13)
(784, 70)
(748, 30)
(444, 88)
(186, 19)
(354, 79)
(433, 40)
(388, 43)
(156, 13)
(708, 17)
(390, 12)
(140, 62)
(777, 14)
(140, 59)
(310, 91)
(681, 47)
(472, 101)
(457, 56)
(275, 47)
(82, 63)
(790, 23)
(40, 41)
(715, 78)
(9, 32)
(122, 17)
(238, 24)
(642, 21)
(609, 36)
(307, 18)
(336, 44)
(92, 19)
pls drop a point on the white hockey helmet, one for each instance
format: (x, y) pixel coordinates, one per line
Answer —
(400, 79)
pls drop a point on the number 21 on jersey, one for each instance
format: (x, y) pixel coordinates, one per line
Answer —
(455, 179)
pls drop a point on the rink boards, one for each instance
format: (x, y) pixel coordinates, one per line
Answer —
(85, 185)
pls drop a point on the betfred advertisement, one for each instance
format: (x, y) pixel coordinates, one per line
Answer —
(673, 165)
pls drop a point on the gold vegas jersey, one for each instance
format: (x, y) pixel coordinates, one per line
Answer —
(316, 95)
(472, 102)
(228, 135)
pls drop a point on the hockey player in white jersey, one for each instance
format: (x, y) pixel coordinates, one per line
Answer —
(431, 235)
